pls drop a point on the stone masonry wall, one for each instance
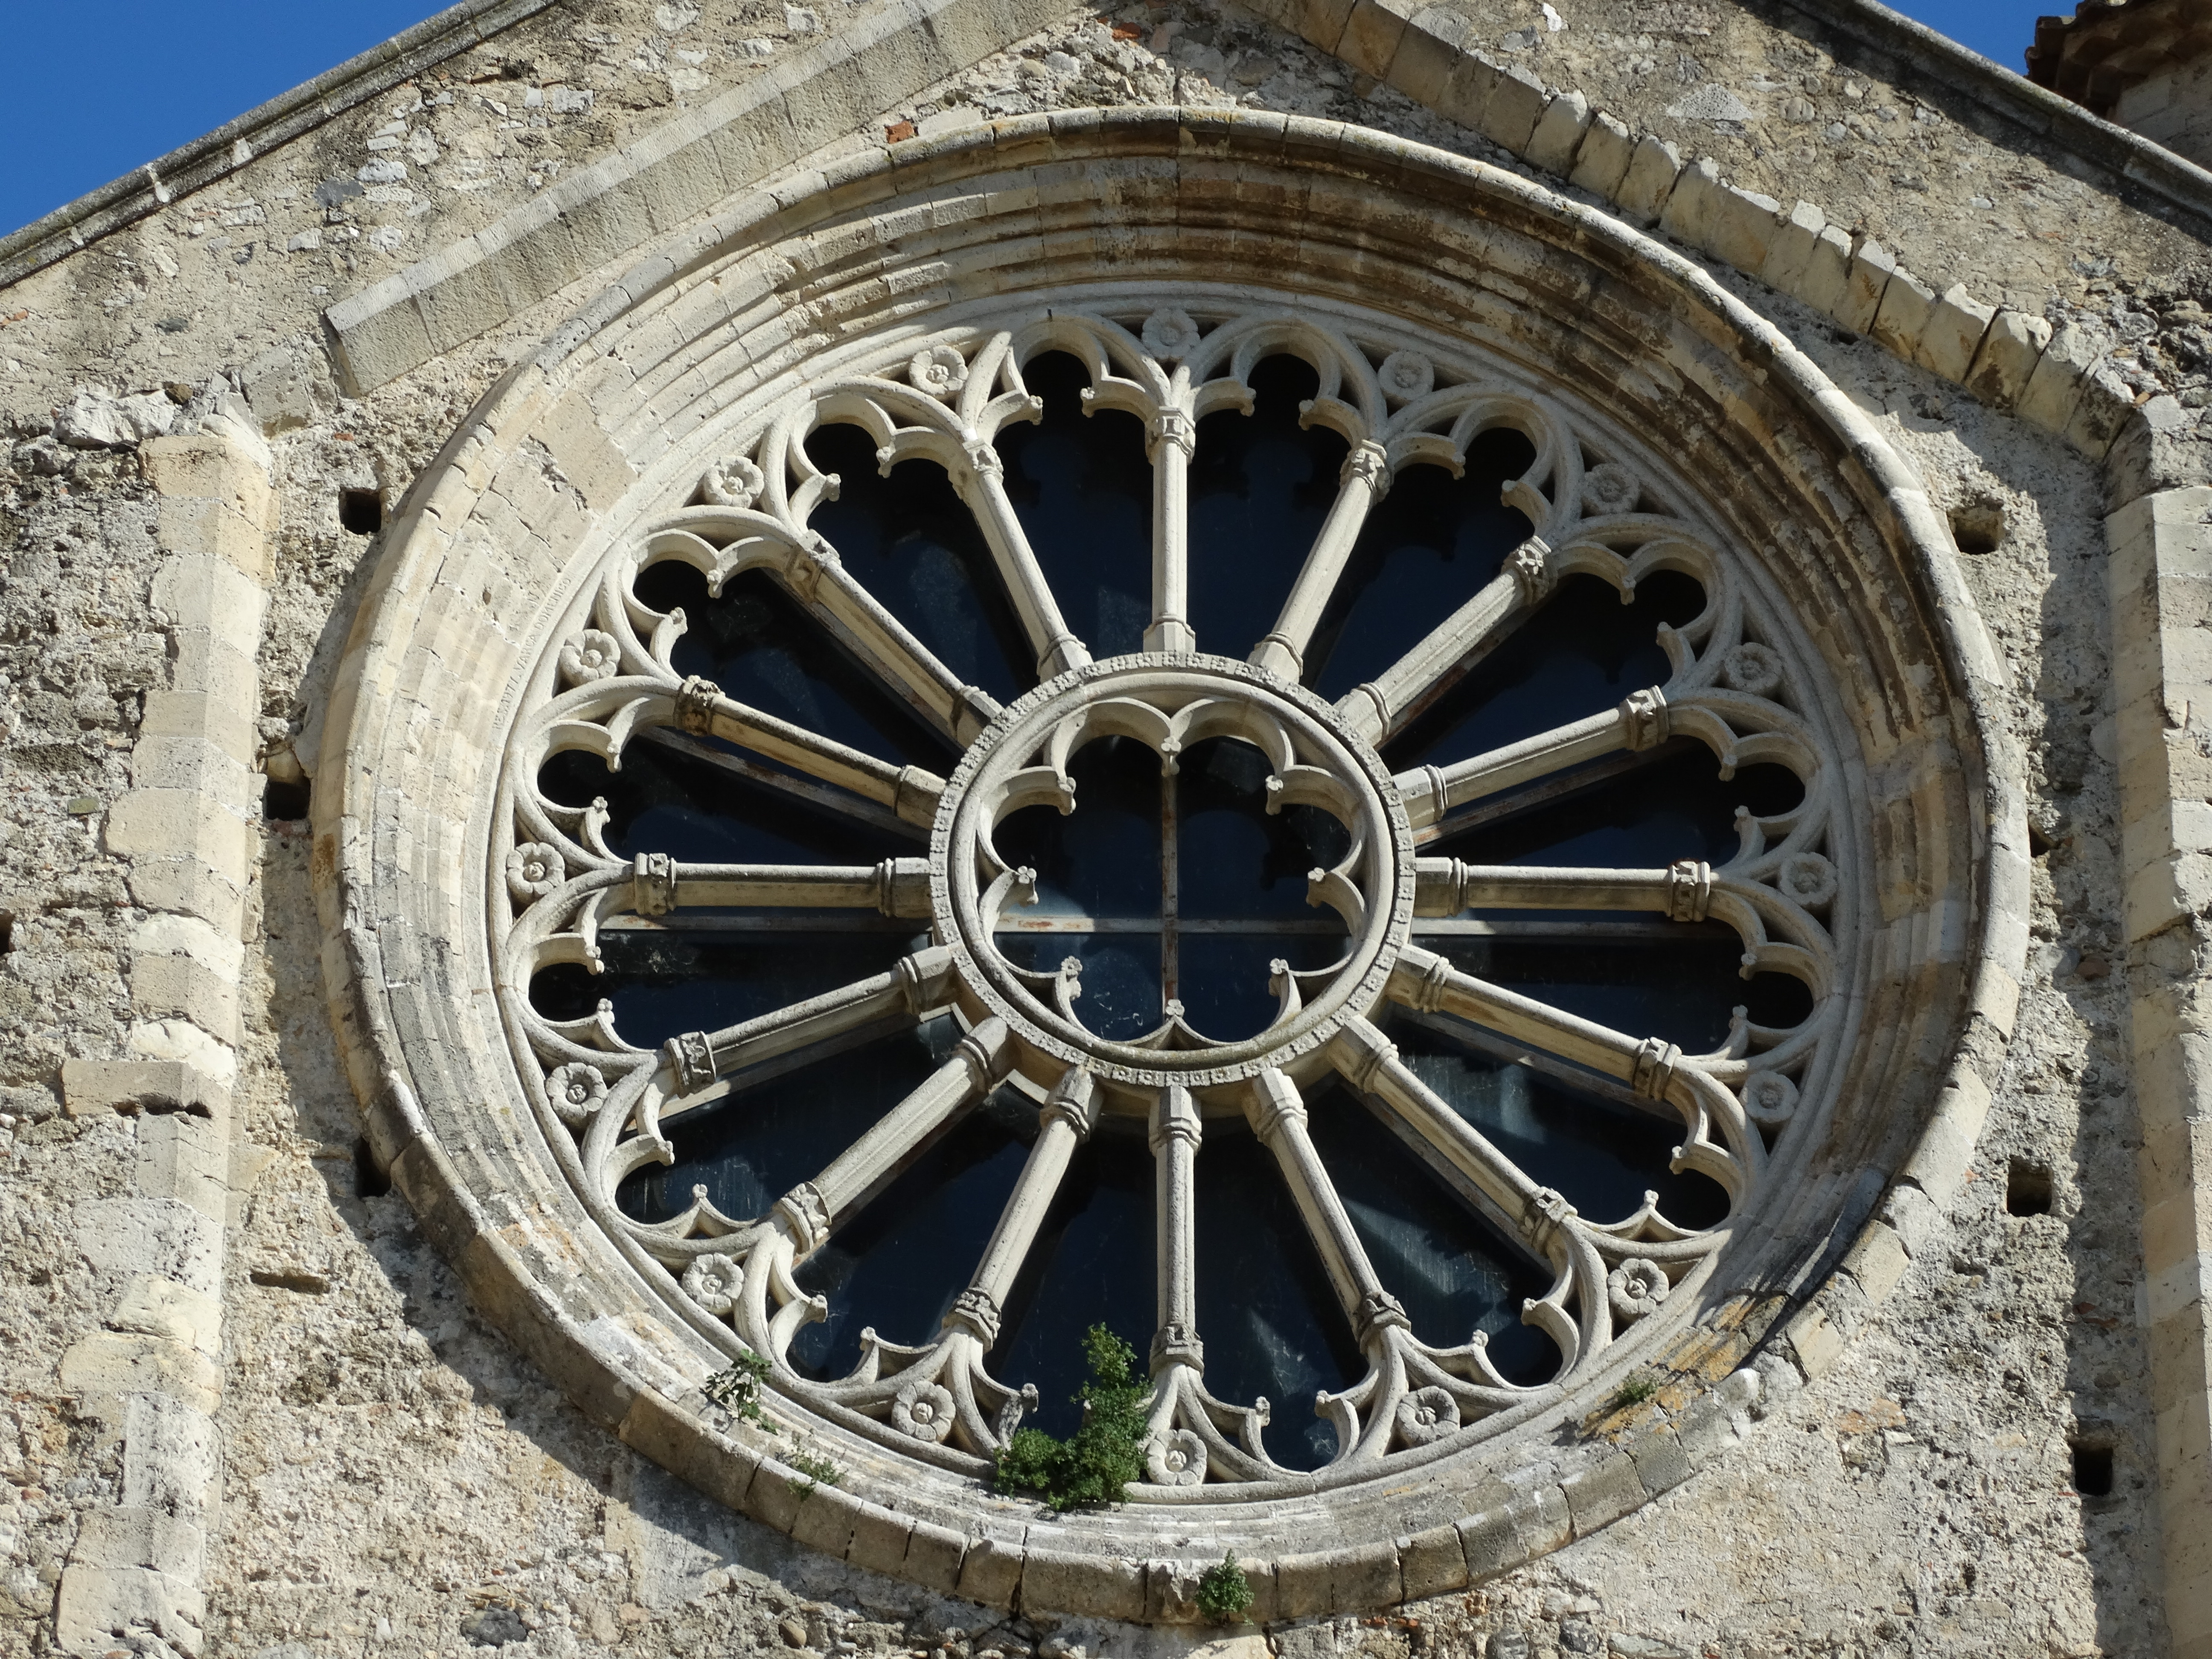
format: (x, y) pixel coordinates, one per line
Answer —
(396, 1480)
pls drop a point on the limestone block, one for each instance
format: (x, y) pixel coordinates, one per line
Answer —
(162, 1236)
(932, 1557)
(90, 1086)
(1502, 104)
(1086, 1585)
(1366, 1576)
(2054, 387)
(1951, 340)
(1939, 1164)
(1827, 271)
(1795, 238)
(1601, 163)
(1855, 307)
(990, 1572)
(105, 1367)
(194, 525)
(163, 1307)
(380, 335)
(195, 714)
(211, 468)
(1426, 57)
(1518, 1529)
(280, 389)
(1649, 181)
(825, 1520)
(2105, 405)
(188, 1159)
(2010, 347)
(1432, 1563)
(176, 823)
(1370, 40)
(1661, 1462)
(1815, 1342)
(2161, 448)
(189, 886)
(180, 1040)
(1601, 1494)
(1877, 1260)
(1557, 137)
(137, 1535)
(1301, 1586)
(96, 1605)
(172, 1458)
(1907, 304)
(202, 593)
(167, 763)
(182, 987)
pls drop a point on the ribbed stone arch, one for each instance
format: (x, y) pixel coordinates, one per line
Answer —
(490, 563)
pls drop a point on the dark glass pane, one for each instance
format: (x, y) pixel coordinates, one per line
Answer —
(1680, 986)
(1121, 997)
(1236, 859)
(665, 802)
(911, 541)
(898, 1264)
(1271, 1324)
(1454, 1276)
(1091, 1265)
(753, 1146)
(1260, 487)
(1083, 490)
(1671, 805)
(1427, 548)
(664, 984)
(1102, 859)
(1223, 978)
(1604, 1157)
(1579, 655)
(763, 649)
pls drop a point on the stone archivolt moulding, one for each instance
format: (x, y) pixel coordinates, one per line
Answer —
(1673, 429)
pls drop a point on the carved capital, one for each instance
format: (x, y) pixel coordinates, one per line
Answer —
(1369, 462)
(926, 980)
(1273, 1101)
(984, 461)
(1643, 715)
(987, 1051)
(1689, 888)
(1363, 1053)
(805, 1214)
(1552, 1213)
(1175, 1117)
(1074, 1101)
(1170, 425)
(1177, 1345)
(695, 705)
(1379, 1311)
(653, 885)
(691, 1058)
(974, 1311)
(1530, 564)
(1654, 1068)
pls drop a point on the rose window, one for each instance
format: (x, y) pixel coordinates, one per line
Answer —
(1238, 825)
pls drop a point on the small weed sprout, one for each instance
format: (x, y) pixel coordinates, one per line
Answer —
(813, 1470)
(736, 1390)
(1102, 1457)
(1635, 1391)
(1224, 1592)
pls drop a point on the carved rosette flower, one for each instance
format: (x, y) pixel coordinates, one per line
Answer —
(1170, 332)
(589, 655)
(1175, 1458)
(1809, 878)
(1407, 375)
(575, 1092)
(714, 1282)
(1426, 1416)
(735, 482)
(940, 370)
(1770, 1099)
(1636, 1288)
(923, 1410)
(533, 870)
(1610, 488)
(1753, 668)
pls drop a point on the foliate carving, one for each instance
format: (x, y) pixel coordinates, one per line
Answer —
(690, 1058)
(924, 1411)
(1379, 1311)
(1809, 878)
(1177, 1345)
(533, 870)
(1770, 1099)
(1644, 714)
(1370, 463)
(1689, 888)
(575, 1092)
(976, 1310)
(1610, 488)
(1636, 1288)
(733, 481)
(1176, 1458)
(1753, 668)
(805, 1216)
(589, 655)
(1170, 332)
(1170, 425)
(653, 885)
(1530, 565)
(715, 1282)
(695, 705)
(1407, 375)
(939, 370)
(1427, 1415)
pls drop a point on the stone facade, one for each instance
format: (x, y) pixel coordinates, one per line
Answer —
(294, 1373)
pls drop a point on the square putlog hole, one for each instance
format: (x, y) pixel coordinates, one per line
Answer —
(2093, 1469)
(360, 511)
(1979, 527)
(2027, 1187)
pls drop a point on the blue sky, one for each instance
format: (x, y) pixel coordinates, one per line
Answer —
(87, 96)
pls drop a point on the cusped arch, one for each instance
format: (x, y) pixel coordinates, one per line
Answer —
(638, 432)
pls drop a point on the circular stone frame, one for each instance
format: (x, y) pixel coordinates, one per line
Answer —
(483, 568)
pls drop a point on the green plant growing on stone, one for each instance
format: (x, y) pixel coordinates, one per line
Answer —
(1635, 1391)
(813, 1470)
(736, 1390)
(1224, 1592)
(1101, 1458)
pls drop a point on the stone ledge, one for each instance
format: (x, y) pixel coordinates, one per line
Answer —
(93, 1087)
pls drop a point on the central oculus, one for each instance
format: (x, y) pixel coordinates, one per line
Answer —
(1262, 740)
